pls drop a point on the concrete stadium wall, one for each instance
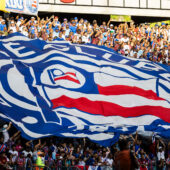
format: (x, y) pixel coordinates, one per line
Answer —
(154, 8)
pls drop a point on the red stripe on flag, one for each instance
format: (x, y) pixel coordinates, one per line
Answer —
(123, 89)
(111, 109)
(67, 77)
(73, 74)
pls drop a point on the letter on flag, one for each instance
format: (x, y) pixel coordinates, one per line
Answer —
(62, 89)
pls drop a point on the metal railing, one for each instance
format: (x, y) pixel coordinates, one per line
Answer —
(138, 4)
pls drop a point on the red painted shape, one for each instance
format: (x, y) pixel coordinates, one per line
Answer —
(110, 109)
(67, 1)
(123, 89)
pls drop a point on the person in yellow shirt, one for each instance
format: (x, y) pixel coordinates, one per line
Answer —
(40, 161)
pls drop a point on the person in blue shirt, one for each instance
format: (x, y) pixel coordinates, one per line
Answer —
(2, 25)
(73, 27)
(64, 24)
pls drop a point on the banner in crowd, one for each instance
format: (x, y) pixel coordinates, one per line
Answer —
(29, 7)
(71, 90)
(2, 5)
(120, 18)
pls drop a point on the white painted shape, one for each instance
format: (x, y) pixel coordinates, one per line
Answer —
(14, 38)
(17, 83)
(16, 50)
(4, 53)
(108, 80)
(4, 102)
(29, 120)
(16, 101)
(115, 121)
(57, 72)
(96, 137)
(165, 126)
(5, 62)
(163, 93)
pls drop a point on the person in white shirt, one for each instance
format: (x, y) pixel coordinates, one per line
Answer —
(109, 162)
(27, 151)
(24, 31)
(85, 38)
(13, 27)
(81, 162)
(5, 130)
(104, 158)
(160, 150)
(125, 39)
(14, 153)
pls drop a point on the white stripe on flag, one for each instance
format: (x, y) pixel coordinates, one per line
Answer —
(126, 100)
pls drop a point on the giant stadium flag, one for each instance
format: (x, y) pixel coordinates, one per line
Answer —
(72, 90)
(29, 7)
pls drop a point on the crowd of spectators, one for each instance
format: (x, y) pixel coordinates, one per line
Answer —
(129, 153)
(136, 41)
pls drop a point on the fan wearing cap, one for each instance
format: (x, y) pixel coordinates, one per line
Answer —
(111, 27)
(116, 44)
(63, 25)
(13, 27)
(76, 20)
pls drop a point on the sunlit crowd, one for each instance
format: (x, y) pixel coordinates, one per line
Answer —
(130, 40)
